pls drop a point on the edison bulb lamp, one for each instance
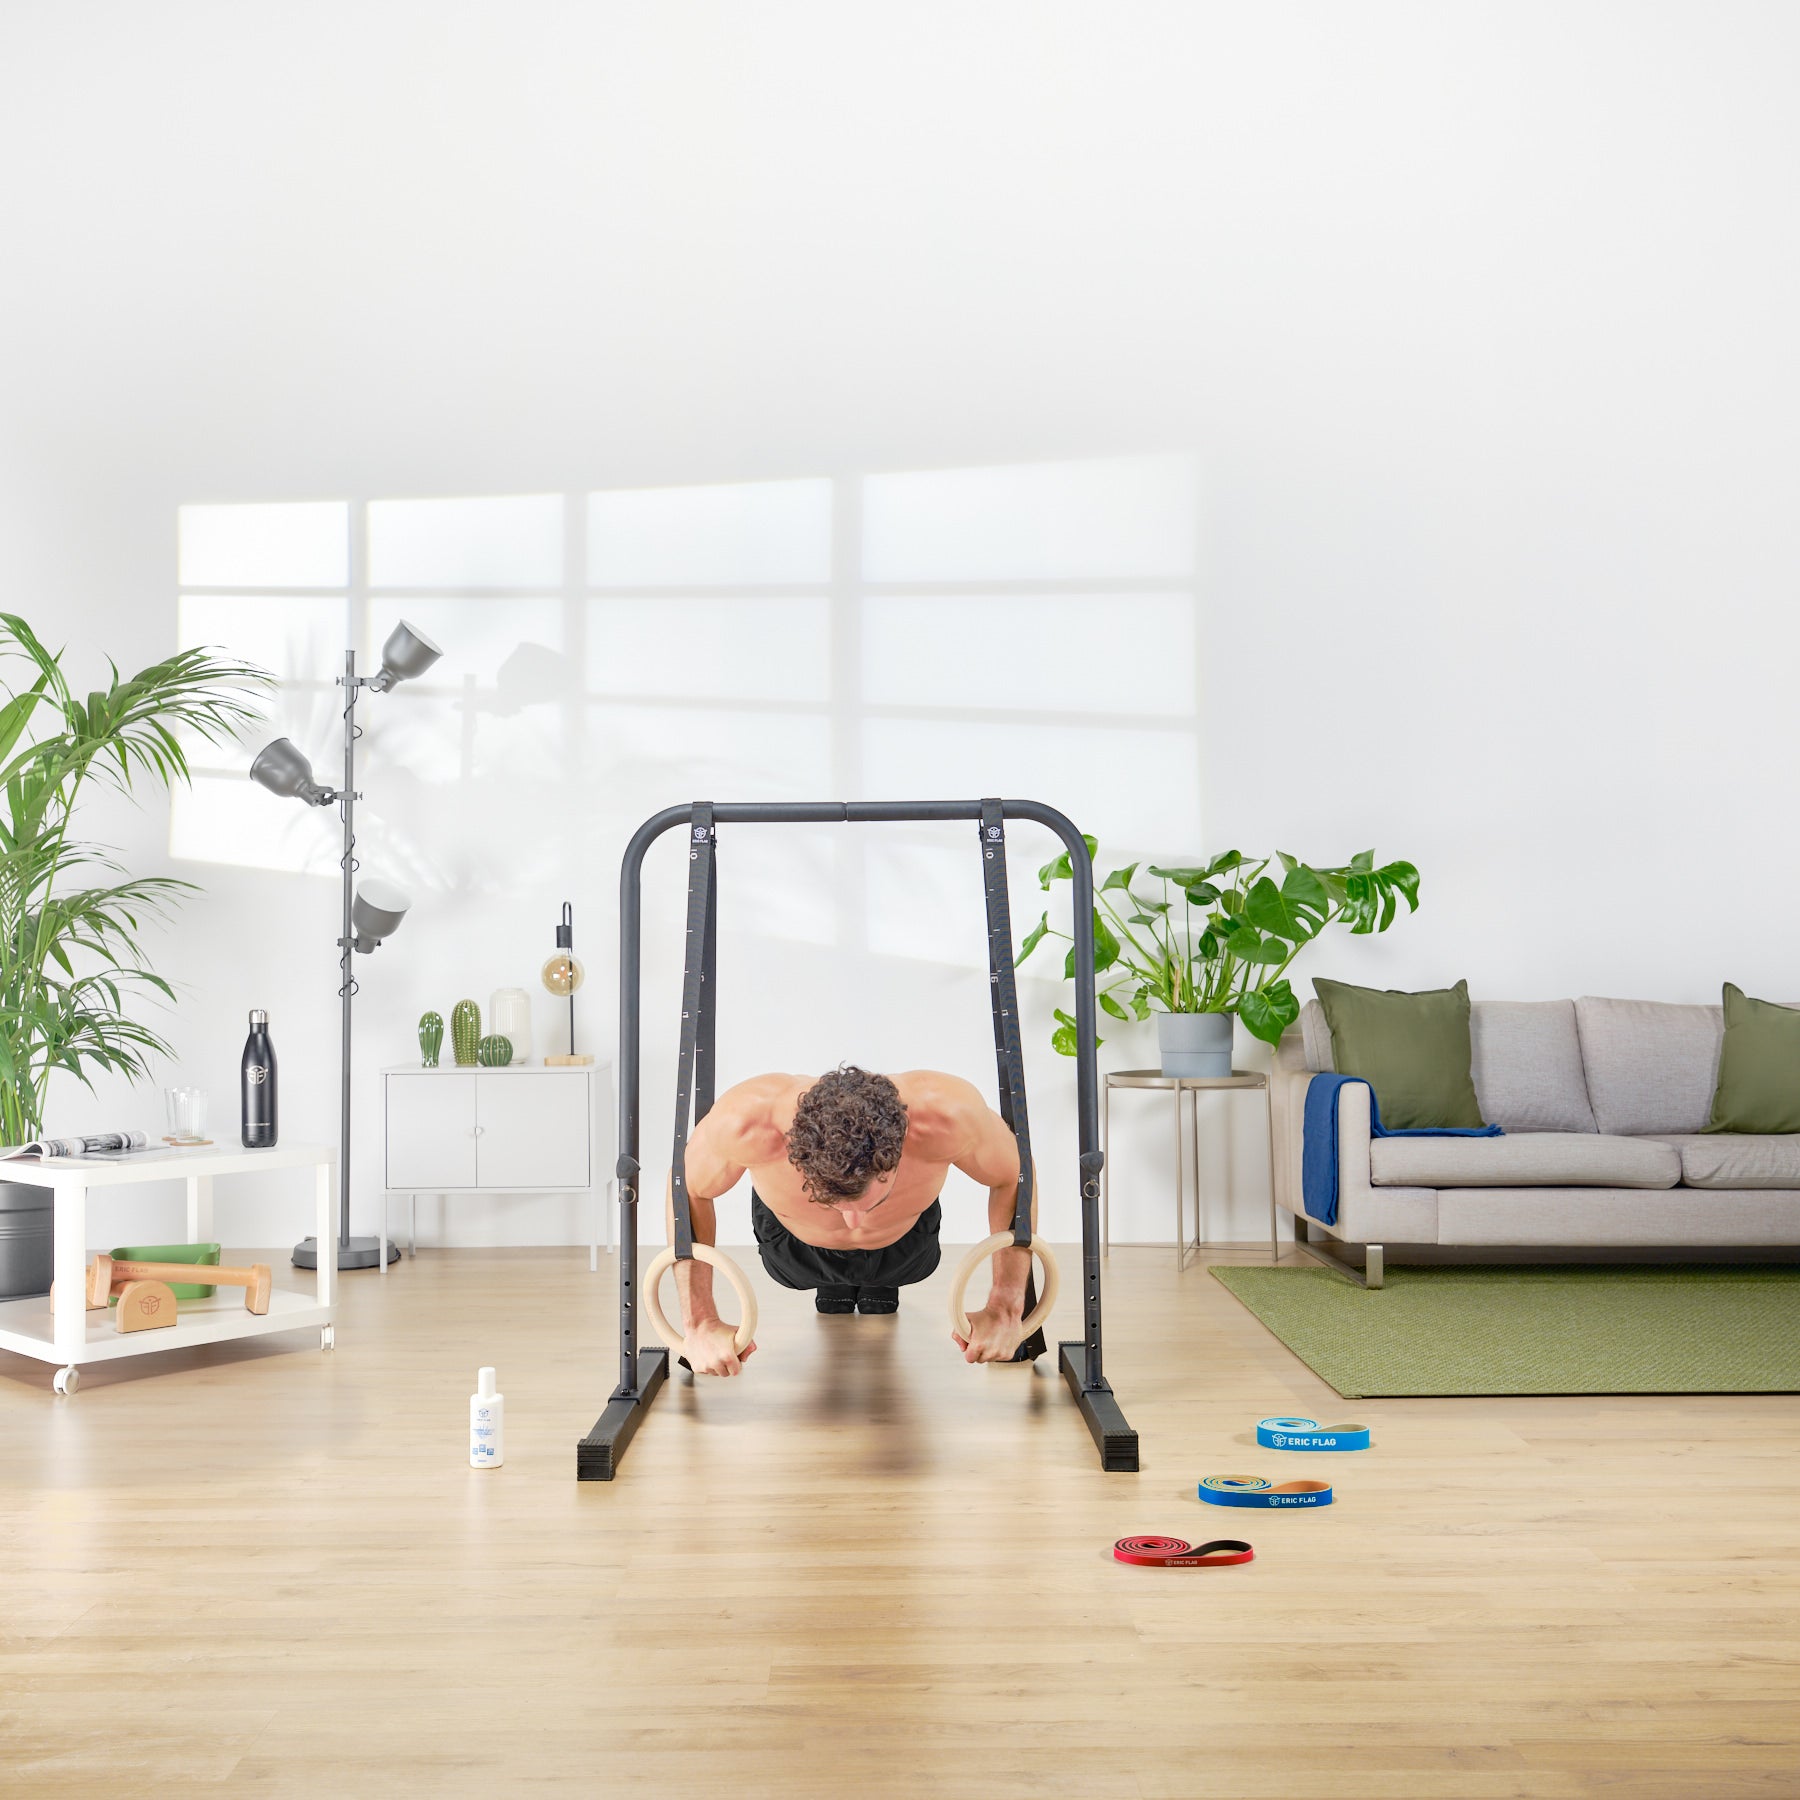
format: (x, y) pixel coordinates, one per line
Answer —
(562, 974)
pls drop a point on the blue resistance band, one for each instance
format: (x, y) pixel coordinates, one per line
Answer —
(1309, 1434)
(1252, 1490)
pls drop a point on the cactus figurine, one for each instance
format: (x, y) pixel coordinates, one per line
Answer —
(431, 1038)
(494, 1051)
(465, 1032)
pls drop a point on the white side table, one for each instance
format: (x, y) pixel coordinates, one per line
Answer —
(73, 1335)
(1245, 1080)
(524, 1129)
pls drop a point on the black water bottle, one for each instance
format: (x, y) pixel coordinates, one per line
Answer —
(258, 1084)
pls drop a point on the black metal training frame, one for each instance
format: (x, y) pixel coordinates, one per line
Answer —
(643, 1370)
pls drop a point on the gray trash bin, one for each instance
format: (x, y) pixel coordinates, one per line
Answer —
(25, 1262)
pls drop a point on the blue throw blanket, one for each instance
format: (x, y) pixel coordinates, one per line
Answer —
(1319, 1142)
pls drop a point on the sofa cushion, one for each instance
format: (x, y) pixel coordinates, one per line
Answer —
(1525, 1056)
(1726, 1159)
(1759, 1067)
(1525, 1159)
(1626, 1216)
(1651, 1066)
(1527, 1065)
(1411, 1048)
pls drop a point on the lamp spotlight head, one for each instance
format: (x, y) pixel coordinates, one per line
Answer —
(282, 769)
(407, 654)
(376, 913)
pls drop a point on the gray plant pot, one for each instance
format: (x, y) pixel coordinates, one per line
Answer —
(1195, 1044)
(25, 1259)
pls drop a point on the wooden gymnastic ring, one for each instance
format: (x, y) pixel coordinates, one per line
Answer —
(1002, 1240)
(664, 1260)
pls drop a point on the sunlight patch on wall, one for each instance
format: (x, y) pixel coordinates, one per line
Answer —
(767, 649)
(507, 541)
(750, 534)
(225, 819)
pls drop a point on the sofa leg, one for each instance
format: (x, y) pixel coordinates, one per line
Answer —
(1373, 1273)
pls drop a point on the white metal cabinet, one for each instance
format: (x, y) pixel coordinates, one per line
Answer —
(431, 1130)
(533, 1133)
(513, 1130)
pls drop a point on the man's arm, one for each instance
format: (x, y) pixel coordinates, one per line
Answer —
(712, 1168)
(991, 1156)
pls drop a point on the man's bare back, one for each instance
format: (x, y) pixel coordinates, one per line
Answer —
(844, 1181)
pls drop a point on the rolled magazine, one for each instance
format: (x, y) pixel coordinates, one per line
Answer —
(102, 1143)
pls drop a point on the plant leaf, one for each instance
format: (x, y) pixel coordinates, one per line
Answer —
(1268, 1012)
(1033, 938)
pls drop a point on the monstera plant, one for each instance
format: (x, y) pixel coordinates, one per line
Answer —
(71, 963)
(1218, 937)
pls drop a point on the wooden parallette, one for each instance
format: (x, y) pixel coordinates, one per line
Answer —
(107, 1277)
(145, 1306)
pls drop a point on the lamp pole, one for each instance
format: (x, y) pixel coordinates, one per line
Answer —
(369, 916)
(346, 949)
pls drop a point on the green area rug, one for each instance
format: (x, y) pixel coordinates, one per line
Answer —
(1558, 1330)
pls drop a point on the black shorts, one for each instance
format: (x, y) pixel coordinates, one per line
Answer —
(796, 1264)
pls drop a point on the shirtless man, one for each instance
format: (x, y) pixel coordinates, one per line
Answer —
(845, 1172)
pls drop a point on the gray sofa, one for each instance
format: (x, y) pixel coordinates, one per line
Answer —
(1602, 1102)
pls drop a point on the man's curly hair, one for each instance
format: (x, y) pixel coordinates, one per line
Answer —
(847, 1129)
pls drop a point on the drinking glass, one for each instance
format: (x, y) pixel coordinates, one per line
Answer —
(187, 1114)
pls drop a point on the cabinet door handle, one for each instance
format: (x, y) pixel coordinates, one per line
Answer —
(476, 1130)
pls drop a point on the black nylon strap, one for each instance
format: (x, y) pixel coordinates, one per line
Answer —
(1002, 988)
(694, 1064)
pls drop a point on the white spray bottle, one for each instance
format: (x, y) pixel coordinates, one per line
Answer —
(487, 1424)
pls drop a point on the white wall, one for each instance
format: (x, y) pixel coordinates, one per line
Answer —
(1474, 325)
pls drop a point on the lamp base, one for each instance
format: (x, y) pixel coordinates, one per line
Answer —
(359, 1253)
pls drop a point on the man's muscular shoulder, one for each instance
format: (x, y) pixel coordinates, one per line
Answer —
(944, 1113)
(743, 1122)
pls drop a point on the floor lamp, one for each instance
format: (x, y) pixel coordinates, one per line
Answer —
(372, 909)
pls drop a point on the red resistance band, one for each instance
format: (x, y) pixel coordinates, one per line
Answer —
(1177, 1553)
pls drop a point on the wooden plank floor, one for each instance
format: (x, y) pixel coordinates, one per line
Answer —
(866, 1570)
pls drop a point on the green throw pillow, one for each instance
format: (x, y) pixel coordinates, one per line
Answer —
(1412, 1049)
(1759, 1067)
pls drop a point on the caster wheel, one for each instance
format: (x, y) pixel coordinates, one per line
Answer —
(327, 1337)
(67, 1380)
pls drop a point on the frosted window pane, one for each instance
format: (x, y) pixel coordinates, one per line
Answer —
(479, 638)
(1137, 789)
(757, 533)
(302, 545)
(294, 639)
(512, 540)
(710, 649)
(1125, 517)
(1126, 653)
(222, 819)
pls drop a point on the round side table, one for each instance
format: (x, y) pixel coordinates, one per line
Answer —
(1247, 1080)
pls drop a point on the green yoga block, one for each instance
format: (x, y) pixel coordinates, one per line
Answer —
(494, 1051)
(431, 1038)
(465, 1032)
(177, 1253)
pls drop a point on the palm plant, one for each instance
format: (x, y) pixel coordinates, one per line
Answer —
(70, 956)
